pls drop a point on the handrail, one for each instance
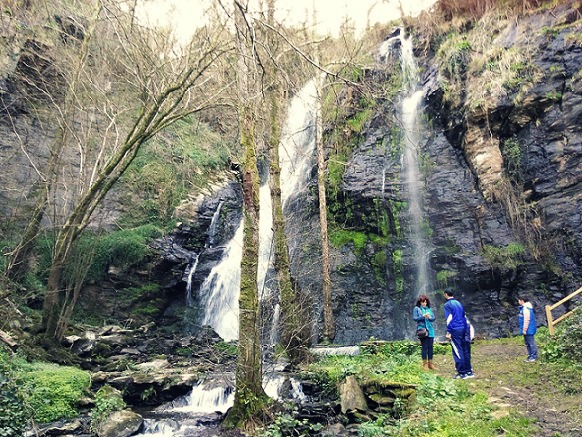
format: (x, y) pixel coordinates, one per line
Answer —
(549, 308)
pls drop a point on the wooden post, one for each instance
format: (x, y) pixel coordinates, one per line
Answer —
(550, 319)
(549, 308)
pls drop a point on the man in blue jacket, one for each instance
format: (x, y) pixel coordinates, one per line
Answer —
(456, 328)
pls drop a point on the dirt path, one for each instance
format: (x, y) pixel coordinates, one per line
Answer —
(540, 391)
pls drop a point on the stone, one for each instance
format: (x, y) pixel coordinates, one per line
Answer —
(120, 424)
(352, 397)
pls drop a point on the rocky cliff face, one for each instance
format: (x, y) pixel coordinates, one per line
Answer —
(502, 173)
(500, 156)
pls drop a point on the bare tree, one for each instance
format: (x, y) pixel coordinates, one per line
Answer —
(120, 90)
(250, 398)
(328, 321)
(294, 319)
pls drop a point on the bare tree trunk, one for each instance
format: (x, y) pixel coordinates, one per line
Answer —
(250, 398)
(295, 321)
(328, 321)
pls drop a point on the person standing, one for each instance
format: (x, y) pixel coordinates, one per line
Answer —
(469, 336)
(423, 316)
(456, 330)
(528, 327)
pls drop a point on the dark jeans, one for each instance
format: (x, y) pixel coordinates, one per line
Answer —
(426, 347)
(459, 346)
(532, 347)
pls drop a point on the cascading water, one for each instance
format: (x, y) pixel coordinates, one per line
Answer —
(220, 290)
(211, 240)
(189, 413)
(412, 132)
(191, 271)
(297, 147)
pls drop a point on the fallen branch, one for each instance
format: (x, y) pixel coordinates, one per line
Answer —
(8, 340)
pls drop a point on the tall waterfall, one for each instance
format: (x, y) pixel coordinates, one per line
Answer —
(296, 150)
(268, 294)
(414, 186)
(412, 131)
(220, 290)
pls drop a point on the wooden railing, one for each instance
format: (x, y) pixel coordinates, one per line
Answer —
(549, 308)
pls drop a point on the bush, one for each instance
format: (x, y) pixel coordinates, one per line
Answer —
(14, 412)
(52, 391)
(120, 248)
(508, 257)
(107, 401)
(567, 343)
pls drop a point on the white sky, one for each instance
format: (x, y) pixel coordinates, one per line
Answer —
(184, 15)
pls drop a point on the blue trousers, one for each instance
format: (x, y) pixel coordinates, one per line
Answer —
(532, 347)
(459, 346)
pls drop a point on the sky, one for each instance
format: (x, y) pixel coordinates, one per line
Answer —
(184, 15)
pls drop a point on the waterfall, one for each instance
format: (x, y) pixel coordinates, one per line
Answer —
(191, 271)
(296, 150)
(210, 241)
(213, 227)
(196, 413)
(412, 135)
(414, 187)
(283, 387)
(203, 399)
(220, 290)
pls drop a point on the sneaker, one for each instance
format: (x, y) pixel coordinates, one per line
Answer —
(530, 360)
(459, 376)
(469, 375)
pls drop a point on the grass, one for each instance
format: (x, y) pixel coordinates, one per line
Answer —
(508, 397)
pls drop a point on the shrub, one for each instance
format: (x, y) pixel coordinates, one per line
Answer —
(107, 401)
(508, 257)
(52, 391)
(567, 342)
(14, 412)
(340, 237)
(120, 248)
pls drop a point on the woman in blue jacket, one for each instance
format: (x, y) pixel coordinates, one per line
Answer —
(423, 316)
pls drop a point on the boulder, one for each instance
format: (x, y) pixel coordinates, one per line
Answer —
(120, 424)
(352, 397)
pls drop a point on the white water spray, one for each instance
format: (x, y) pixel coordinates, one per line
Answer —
(297, 147)
(220, 290)
(412, 136)
(191, 271)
